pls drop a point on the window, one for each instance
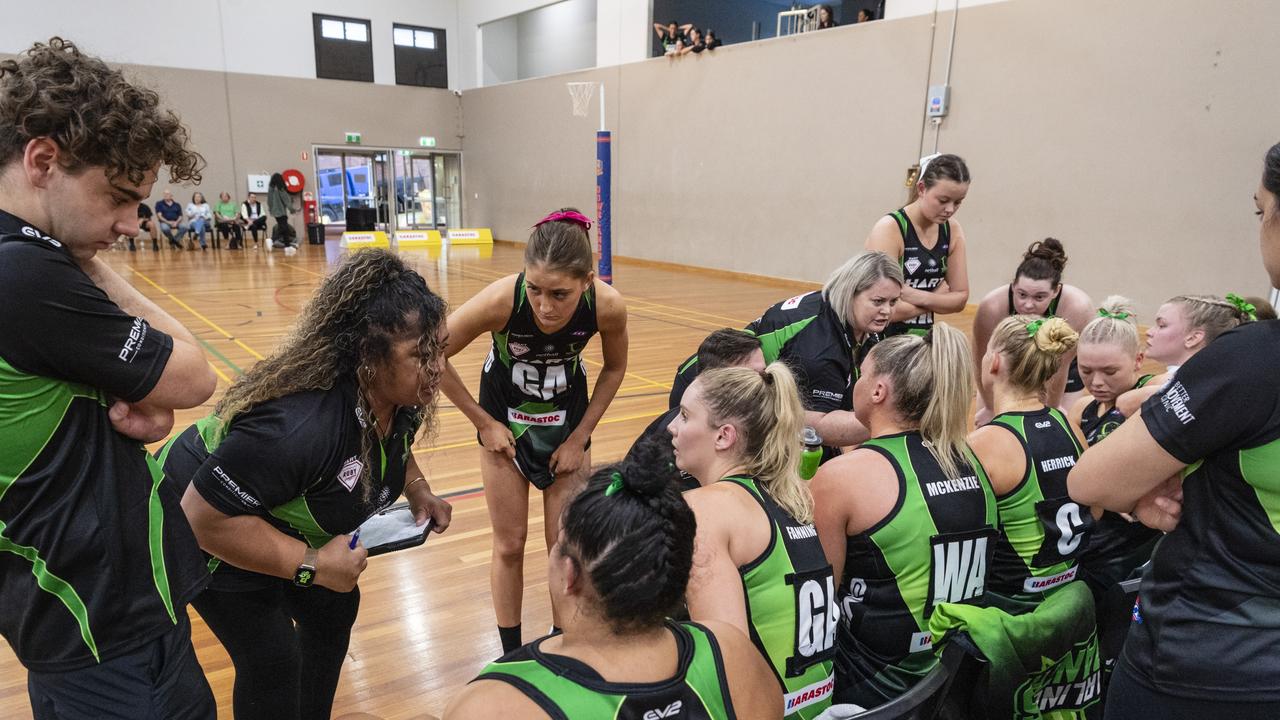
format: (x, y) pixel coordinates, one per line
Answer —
(343, 50)
(421, 56)
(422, 39)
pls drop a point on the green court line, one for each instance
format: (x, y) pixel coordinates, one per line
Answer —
(220, 356)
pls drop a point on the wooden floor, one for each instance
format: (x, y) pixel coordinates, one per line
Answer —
(426, 623)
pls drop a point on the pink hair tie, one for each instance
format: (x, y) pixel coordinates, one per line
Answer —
(569, 215)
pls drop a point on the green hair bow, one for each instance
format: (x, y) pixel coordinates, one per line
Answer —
(1242, 306)
(615, 484)
(1103, 312)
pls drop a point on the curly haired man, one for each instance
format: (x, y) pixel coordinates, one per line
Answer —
(97, 562)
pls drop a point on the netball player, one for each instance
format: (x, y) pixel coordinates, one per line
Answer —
(533, 417)
(908, 498)
(1111, 357)
(760, 566)
(823, 336)
(299, 452)
(928, 244)
(1027, 450)
(1037, 289)
(1205, 641)
(726, 347)
(1184, 326)
(617, 571)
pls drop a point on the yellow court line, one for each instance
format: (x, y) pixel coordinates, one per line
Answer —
(219, 373)
(473, 443)
(195, 312)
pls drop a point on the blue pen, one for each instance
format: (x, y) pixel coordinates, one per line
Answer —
(355, 537)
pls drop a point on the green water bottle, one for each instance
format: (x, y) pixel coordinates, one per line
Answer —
(812, 453)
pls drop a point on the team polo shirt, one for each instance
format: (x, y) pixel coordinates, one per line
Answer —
(1208, 625)
(96, 557)
(296, 462)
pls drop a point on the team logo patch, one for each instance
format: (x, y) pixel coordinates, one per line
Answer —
(793, 303)
(350, 473)
(34, 233)
(517, 349)
(912, 264)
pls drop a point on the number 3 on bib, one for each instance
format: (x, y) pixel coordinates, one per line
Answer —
(817, 615)
(543, 384)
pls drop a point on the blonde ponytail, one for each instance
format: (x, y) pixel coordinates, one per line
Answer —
(766, 410)
(932, 379)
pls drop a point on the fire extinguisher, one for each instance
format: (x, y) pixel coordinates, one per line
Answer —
(309, 209)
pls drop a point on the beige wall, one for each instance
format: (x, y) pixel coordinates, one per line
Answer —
(1131, 132)
(262, 124)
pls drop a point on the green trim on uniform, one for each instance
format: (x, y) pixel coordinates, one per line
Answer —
(30, 402)
(575, 700)
(771, 343)
(1026, 534)
(772, 611)
(51, 583)
(1258, 469)
(904, 225)
(297, 513)
(687, 364)
(500, 342)
(155, 537)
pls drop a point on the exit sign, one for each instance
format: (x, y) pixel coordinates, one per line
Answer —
(353, 138)
(426, 141)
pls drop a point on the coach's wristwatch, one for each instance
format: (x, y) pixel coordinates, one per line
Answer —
(305, 575)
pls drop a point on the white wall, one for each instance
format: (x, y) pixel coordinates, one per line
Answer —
(241, 36)
(556, 39)
(907, 8)
(622, 31)
(497, 49)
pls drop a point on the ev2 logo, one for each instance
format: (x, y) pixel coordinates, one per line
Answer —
(669, 711)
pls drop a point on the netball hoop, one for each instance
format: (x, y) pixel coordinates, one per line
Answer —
(581, 93)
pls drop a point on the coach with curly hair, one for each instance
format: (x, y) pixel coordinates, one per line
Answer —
(97, 562)
(300, 451)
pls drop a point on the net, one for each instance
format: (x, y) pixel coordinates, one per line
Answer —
(581, 92)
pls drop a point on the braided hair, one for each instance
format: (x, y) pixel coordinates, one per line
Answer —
(347, 329)
(630, 534)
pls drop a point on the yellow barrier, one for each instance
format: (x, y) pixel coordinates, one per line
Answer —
(417, 238)
(470, 236)
(361, 240)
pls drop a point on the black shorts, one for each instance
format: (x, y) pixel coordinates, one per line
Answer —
(161, 679)
(548, 426)
(1074, 383)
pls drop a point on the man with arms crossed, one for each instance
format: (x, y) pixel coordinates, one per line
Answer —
(97, 561)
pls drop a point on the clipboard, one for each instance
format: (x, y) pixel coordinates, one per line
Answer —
(393, 529)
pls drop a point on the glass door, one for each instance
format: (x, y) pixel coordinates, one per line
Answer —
(414, 191)
(352, 180)
(448, 170)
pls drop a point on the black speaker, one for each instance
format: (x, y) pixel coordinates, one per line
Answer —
(361, 219)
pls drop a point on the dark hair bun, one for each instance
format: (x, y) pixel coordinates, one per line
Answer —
(1050, 250)
(645, 472)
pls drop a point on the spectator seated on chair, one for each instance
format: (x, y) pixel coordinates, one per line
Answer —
(254, 220)
(173, 222)
(227, 221)
(199, 217)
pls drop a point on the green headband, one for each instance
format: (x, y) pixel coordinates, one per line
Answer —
(615, 485)
(1242, 306)
(1103, 312)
